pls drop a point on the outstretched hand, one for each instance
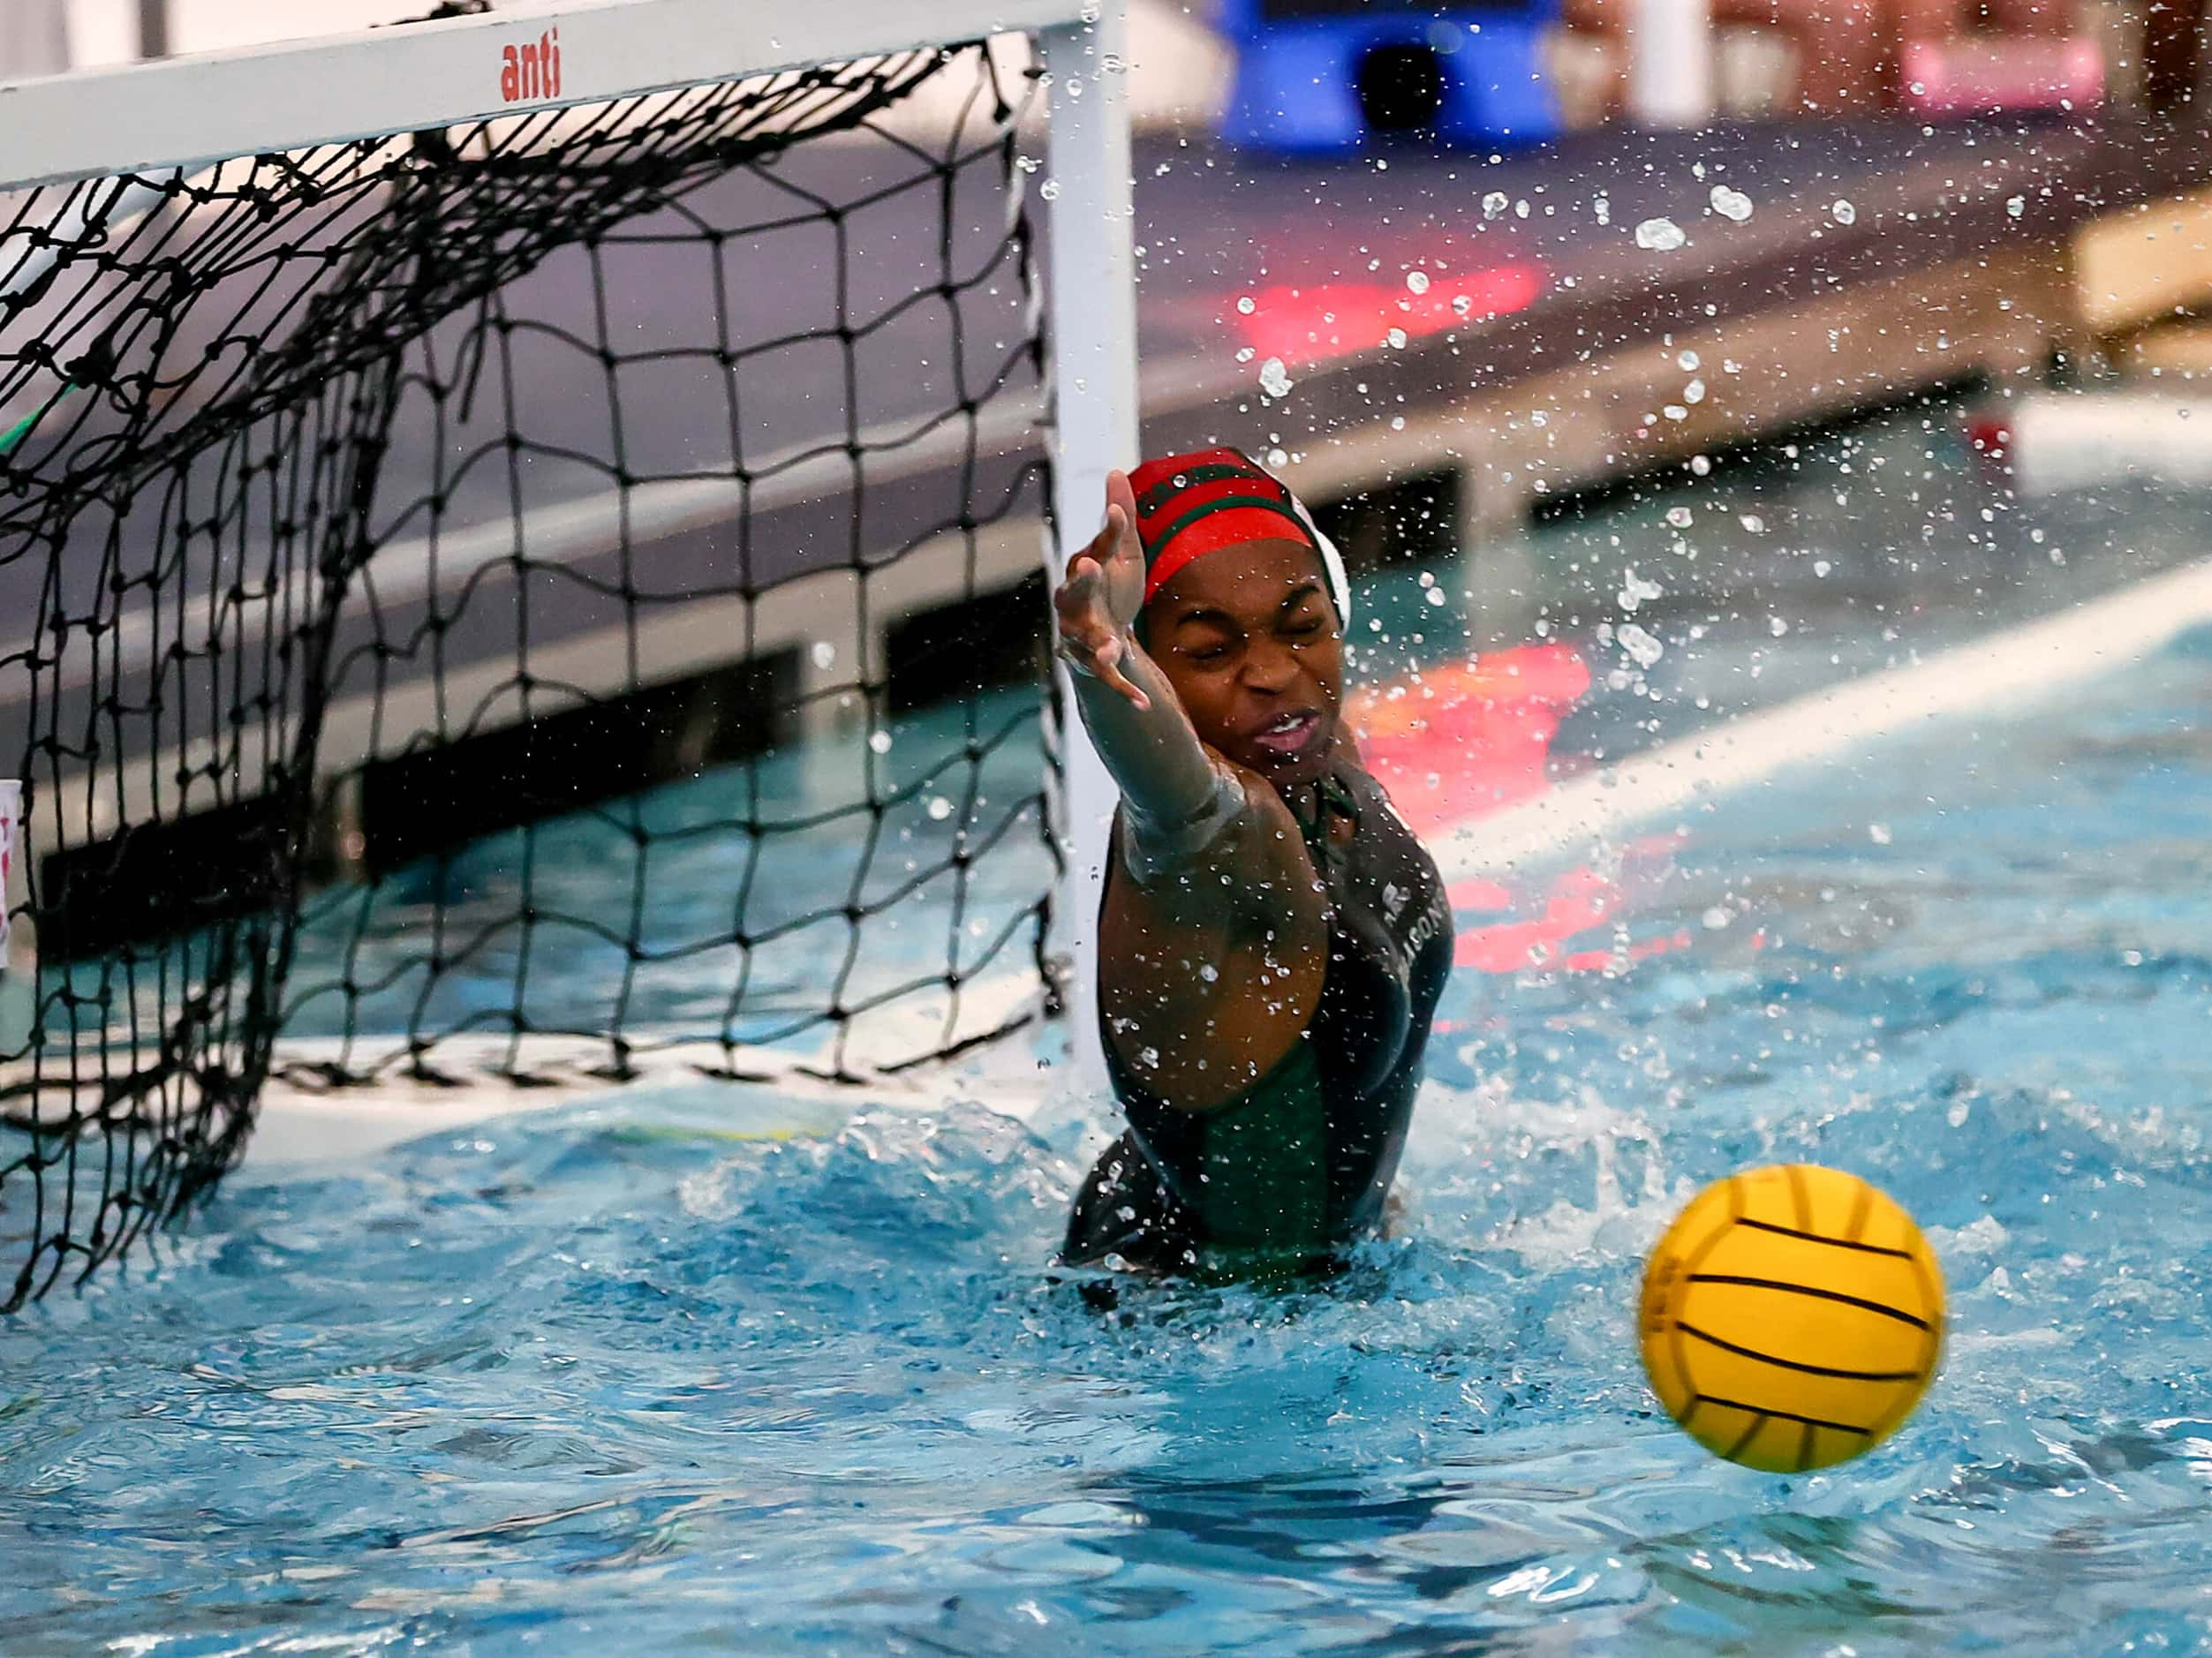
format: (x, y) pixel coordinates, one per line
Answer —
(1104, 590)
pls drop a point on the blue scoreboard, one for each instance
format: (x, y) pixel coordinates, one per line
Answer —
(1331, 74)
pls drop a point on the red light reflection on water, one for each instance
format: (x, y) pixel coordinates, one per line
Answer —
(1455, 740)
(1580, 902)
(1458, 742)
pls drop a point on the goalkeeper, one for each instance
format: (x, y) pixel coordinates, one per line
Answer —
(1272, 939)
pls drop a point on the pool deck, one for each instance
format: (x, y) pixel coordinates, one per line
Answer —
(1870, 261)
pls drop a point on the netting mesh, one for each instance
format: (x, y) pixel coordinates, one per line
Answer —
(482, 595)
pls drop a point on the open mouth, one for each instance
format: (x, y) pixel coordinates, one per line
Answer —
(1289, 736)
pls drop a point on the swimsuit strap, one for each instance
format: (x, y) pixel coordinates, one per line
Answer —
(1329, 794)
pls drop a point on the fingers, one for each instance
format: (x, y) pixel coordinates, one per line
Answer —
(1099, 653)
(1110, 540)
(1080, 590)
(1122, 683)
(1122, 516)
(1107, 658)
(1123, 547)
(1105, 667)
(1100, 594)
(1120, 493)
(1117, 535)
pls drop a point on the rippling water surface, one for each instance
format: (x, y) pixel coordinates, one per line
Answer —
(715, 1370)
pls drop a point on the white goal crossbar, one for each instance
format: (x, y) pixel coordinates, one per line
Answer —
(294, 94)
(189, 111)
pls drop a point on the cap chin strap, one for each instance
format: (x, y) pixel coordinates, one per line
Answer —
(1331, 564)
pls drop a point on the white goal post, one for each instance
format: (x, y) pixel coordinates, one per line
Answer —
(193, 110)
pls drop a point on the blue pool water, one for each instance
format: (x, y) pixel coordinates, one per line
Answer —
(710, 1369)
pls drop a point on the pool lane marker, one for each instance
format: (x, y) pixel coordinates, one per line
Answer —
(2014, 666)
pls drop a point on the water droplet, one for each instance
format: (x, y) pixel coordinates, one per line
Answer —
(1686, 361)
(1493, 204)
(2017, 206)
(1246, 305)
(1752, 521)
(1845, 213)
(1776, 626)
(1731, 204)
(940, 808)
(1879, 833)
(1417, 280)
(1245, 353)
(1694, 392)
(1641, 646)
(824, 653)
(1679, 518)
(1396, 338)
(1049, 190)
(1274, 379)
(1635, 590)
(1660, 236)
(881, 742)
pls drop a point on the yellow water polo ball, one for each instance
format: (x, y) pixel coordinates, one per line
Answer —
(1791, 1317)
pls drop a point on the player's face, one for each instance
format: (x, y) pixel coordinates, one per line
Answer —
(1251, 642)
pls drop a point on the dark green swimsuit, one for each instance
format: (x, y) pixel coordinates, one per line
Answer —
(1300, 1162)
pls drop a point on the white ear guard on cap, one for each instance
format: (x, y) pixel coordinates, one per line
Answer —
(1332, 563)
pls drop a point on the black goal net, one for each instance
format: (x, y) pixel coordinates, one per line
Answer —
(522, 595)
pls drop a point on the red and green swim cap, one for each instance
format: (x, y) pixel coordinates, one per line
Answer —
(1191, 505)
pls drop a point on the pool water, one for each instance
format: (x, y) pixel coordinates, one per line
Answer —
(716, 1369)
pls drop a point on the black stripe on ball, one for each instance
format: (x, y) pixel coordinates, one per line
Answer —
(1798, 1365)
(1886, 1311)
(1822, 1237)
(1751, 1433)
(1861, 1207)
(1764, 1410)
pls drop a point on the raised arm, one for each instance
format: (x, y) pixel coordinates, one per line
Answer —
(1177, 795)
